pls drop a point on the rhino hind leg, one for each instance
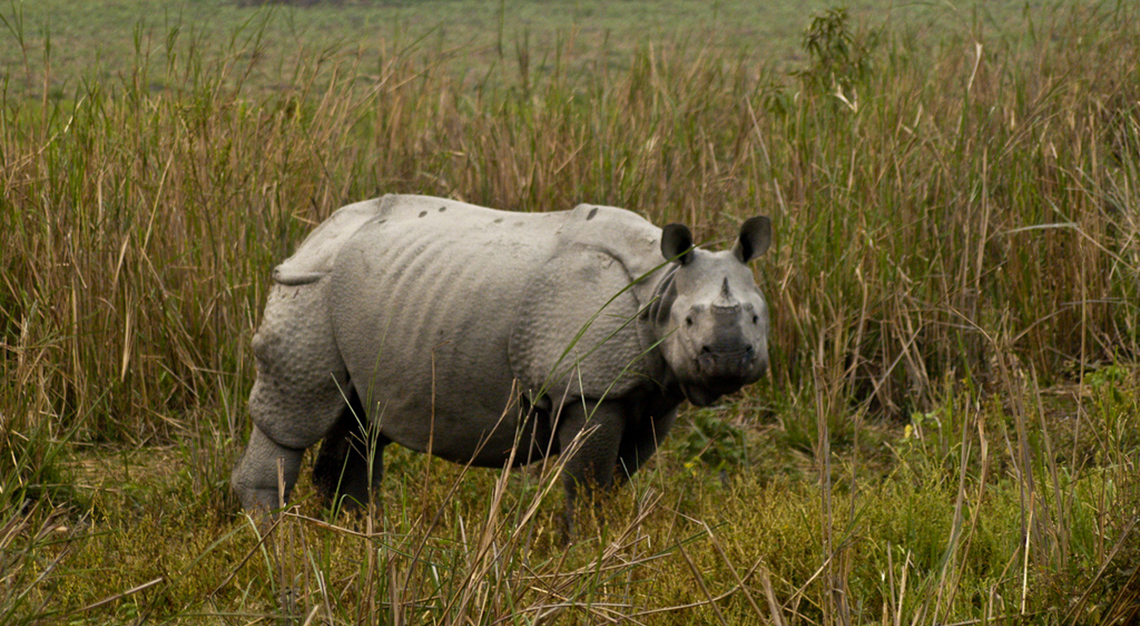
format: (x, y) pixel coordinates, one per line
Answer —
(350, 464)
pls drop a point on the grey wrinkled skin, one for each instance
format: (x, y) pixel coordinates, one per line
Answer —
(473, 334)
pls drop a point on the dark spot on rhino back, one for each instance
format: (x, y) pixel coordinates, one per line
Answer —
(498, 220)
(593, 212)
(423, 213)
(442, 209)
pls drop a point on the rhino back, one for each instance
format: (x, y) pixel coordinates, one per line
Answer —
(316, 255)
(422, 303)
(427, 294)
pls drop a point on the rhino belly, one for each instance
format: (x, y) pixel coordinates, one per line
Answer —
(422, 317)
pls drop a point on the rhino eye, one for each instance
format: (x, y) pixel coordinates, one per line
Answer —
(755, 318)
(689, 321)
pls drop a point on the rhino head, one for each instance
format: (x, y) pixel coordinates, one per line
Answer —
(710, 317)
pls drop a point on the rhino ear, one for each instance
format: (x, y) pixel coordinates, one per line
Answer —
(676, 242)
(755, 237)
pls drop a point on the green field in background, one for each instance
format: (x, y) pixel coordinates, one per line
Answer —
(98, 40)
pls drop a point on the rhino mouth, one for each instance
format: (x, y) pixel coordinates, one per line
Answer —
(719, 373)
(725, 363)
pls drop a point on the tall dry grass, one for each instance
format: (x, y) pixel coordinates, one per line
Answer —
(956, 231)
(943, 210)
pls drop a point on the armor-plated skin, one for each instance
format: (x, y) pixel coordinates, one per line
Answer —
(461, 331)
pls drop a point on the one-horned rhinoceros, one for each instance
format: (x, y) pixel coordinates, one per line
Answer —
(485, 337)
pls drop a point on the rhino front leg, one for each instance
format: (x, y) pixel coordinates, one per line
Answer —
(640, 441)
(591, 434)
(256, 477)
(350, 464)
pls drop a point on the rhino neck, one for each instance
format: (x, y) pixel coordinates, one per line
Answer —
(661, 298)
(659, 293)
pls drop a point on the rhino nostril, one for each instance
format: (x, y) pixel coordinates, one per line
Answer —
(755, 319)
(706, 350)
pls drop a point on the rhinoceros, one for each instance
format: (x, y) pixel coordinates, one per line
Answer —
(487, 337)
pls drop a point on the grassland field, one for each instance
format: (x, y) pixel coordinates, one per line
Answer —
(950, 431)
(98, 40)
